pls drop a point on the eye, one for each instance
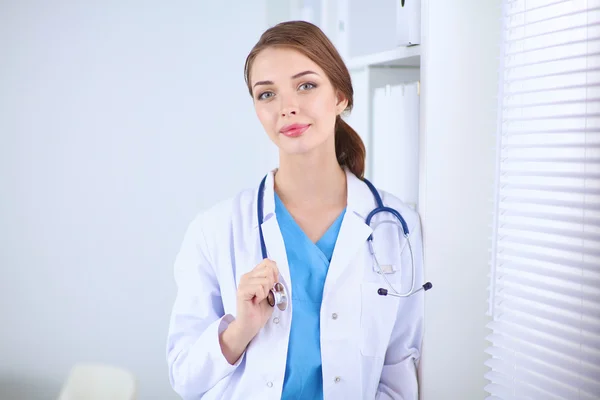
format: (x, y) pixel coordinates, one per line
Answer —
(265, 95)
(307, 86)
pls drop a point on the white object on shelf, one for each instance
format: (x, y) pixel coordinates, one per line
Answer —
(408, 22)
(395, 140)
(364, 28)
(99, 382)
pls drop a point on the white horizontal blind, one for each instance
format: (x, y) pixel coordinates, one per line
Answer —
(545, 279)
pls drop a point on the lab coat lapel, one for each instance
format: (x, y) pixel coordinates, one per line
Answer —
(276, 248)
(353, 231)
(272, 234)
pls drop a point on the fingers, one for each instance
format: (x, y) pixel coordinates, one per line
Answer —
(266, 283)
(250, 291)
(258, 282)
(269, 267)
(266, 268)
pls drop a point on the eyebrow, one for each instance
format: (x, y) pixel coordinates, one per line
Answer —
(298, 75)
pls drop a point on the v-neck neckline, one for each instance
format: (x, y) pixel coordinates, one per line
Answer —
(319, 243)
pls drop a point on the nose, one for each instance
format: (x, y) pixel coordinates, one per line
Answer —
(289, 111)
(289, 105)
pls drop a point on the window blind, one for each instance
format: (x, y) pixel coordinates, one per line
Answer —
(545, 256)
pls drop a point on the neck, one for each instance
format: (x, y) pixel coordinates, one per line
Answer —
(307, 183)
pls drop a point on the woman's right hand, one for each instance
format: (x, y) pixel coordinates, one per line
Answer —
(253, 310)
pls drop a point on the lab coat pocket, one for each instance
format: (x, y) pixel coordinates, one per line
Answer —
(377, 319)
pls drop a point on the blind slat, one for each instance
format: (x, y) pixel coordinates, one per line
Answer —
(552, 46)
(523, 243)
(555, 117)
(539, 284)
(552, 103)
(507, 305)
(518, 39)
(557, 88)
(588, 310)
(509, 67)
(506, 175)
(588, 221)
(512, 146)
(555, 231)
(554, 160)
(508, 200)
(553, 74)
(593, 281)
(584, 131)
(552, 189)
(567, 262)
(570, 334)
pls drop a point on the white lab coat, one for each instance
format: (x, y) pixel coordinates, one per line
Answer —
(370, 349)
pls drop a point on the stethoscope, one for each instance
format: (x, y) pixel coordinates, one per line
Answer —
(278, 294)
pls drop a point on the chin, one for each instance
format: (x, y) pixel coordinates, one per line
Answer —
(295, 150)
(300, 145)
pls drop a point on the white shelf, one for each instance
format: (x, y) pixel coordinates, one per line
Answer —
(398, 57)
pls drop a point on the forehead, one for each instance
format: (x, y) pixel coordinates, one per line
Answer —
(280, 63)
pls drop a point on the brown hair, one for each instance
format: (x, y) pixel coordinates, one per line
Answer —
(313, 43)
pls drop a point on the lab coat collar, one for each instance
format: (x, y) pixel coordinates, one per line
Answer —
(360, 200)
(268, 199)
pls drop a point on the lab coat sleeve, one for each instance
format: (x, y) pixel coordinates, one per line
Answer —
(194, 356)
(399, 375)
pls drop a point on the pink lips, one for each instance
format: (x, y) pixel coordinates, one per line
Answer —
(294, 130)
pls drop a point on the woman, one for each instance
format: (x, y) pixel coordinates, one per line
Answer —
(338, 338)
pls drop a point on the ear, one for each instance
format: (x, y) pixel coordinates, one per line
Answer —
(341, 103)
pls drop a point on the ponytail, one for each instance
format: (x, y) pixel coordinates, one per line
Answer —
(349, 148)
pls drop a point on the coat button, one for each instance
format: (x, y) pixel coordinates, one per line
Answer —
(275, 320)
(270, 384)
(334, 316)
(337, 379)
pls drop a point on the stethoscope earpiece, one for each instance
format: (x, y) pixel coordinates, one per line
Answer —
(278, 296)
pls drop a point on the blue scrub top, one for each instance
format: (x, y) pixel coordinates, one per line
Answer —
(308, 263)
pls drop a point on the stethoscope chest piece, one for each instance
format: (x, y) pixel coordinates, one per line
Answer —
(278, 296)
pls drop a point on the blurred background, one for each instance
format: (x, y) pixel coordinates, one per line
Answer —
(120, 121)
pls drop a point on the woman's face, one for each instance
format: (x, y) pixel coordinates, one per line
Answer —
(294, 101)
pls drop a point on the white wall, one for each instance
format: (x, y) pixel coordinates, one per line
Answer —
(118, 122)
(459, 75)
